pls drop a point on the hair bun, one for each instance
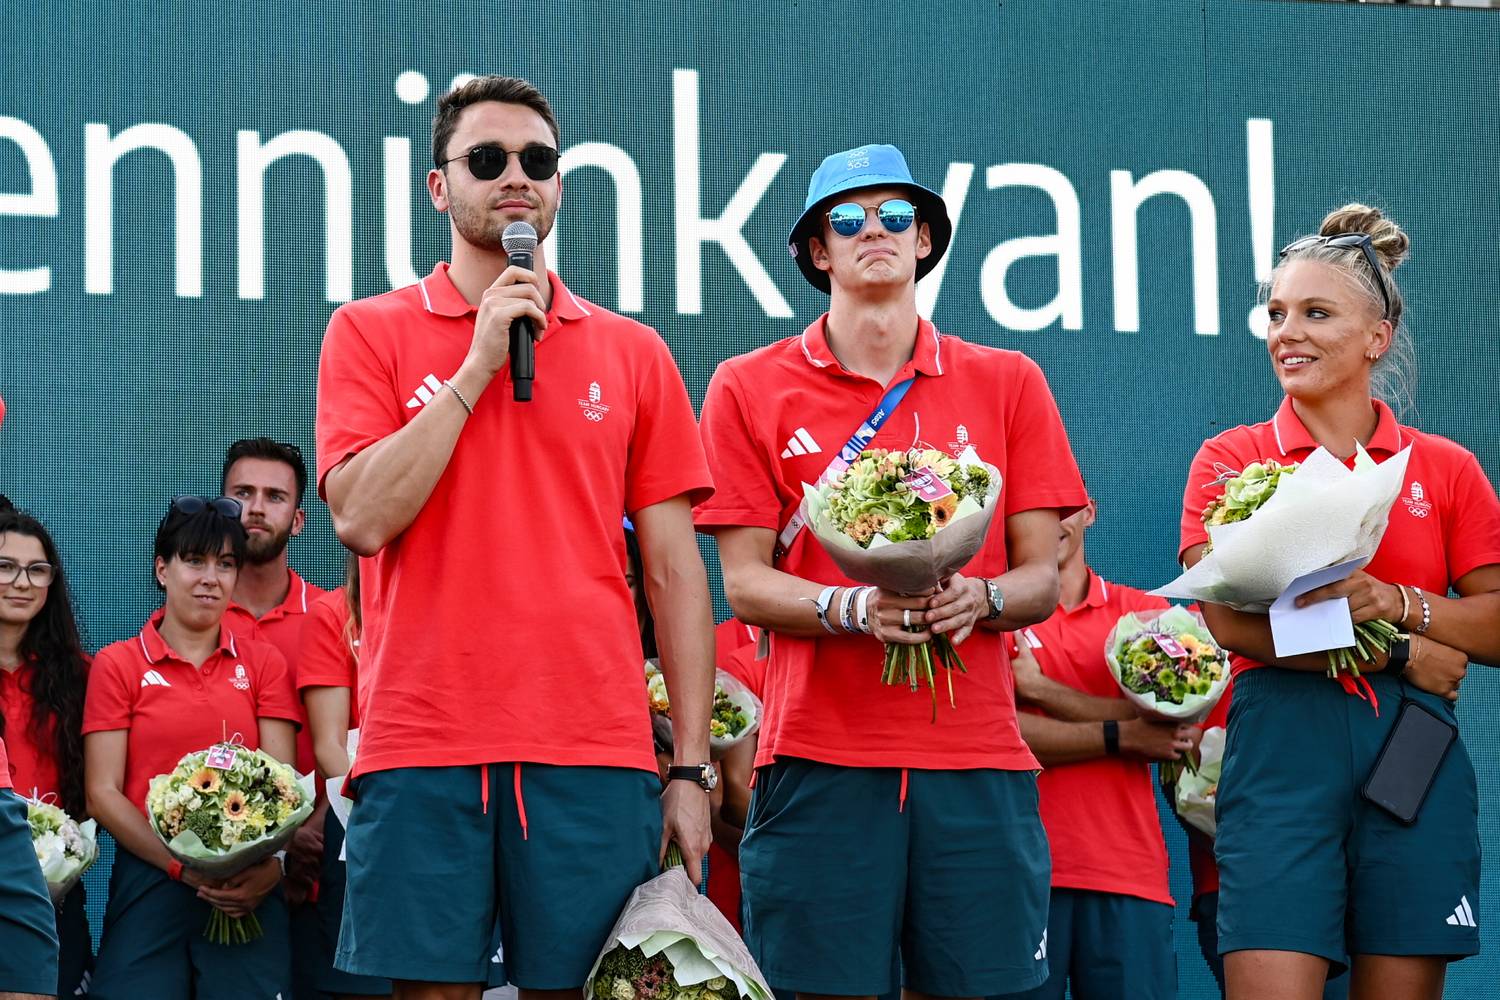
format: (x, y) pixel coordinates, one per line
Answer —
(1391, 242)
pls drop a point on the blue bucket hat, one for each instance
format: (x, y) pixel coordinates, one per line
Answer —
(852, 170)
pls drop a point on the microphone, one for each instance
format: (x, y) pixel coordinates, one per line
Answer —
(519, 241)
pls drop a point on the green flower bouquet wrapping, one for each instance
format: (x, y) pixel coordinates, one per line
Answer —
(1197, 792)
(735, 716)
(905, 521)
(223, 809)
(670, 943)
(64, 847)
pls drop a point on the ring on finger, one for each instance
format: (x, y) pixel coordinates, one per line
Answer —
(906, 618)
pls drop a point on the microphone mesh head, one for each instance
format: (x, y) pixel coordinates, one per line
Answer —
(518, 236)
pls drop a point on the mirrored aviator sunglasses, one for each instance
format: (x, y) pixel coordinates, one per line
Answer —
(224, 506)
(488, 161)
(896, 215)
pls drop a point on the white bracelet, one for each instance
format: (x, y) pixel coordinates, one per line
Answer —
(821, 607)
(460, 396)
(846, 610)
(862, 610)
(1426, 612)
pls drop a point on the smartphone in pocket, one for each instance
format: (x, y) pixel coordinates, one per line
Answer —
(1409, 762)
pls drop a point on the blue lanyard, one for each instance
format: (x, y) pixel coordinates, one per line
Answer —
(872, 424)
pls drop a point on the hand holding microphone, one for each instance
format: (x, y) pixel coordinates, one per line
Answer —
(512, 313)
(519, 241)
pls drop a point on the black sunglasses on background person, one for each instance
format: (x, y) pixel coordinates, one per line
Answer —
(223, 506)
(487, 161)
(1361, 240)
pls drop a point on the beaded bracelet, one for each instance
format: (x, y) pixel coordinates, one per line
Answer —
(1426, 612)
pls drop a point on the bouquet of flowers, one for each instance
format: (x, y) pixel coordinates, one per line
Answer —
(736, 711)
(1272, 524)
(672, 944)
(905, 521)
(223, 809)
(1197, 791)
(64, 848)
(1169, 664)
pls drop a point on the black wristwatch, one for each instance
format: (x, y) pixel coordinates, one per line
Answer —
(703, 775)
(1400, 657)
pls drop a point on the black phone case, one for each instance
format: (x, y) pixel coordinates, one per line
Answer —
(1382, 762)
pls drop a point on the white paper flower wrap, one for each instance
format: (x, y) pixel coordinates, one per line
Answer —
(1323, 515)
(1197, 793)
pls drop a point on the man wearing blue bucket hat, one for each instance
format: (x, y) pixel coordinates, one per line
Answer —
(876, 826)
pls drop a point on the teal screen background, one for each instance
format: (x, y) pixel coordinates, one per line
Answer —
(125, 382)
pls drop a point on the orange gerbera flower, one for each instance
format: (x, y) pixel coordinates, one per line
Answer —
(235, 805)
(943, 510)
(205, 780)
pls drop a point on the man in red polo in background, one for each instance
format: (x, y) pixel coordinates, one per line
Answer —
(1109, 928)
(505, 762)
(271, 602)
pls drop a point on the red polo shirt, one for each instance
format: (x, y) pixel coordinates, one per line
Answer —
(499, 619)
(772, 420)
(4, 767)
(171, 708)
(282, 628)
(1100, 814)
(33, 765)
(1444, 524)
(326, 660)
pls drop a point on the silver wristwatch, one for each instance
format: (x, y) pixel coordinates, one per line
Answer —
(996, 600)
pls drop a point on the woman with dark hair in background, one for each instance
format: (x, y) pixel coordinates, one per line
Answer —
(1310, 870)
(43, 675)
(182, 685)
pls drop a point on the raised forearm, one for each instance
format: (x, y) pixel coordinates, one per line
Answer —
(376, 494)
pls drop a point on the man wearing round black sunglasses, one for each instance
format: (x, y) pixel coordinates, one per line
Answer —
(496, 570)
(927, 829)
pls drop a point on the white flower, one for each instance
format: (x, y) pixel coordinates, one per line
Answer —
(49, 846)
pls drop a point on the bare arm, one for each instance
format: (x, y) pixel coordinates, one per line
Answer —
(736, 768)
(376, 494)
(1055, 741)
(103, 785)
(328, 718)
(677, 590)
(278, 737)
(1058, 700)
(1030, 585)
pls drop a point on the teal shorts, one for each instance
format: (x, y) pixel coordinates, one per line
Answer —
(330, 909)
(842, 873)
(28, 930)
(75, 953)
(554, 856)
(153, 944)
(1306, 864)
(1104, 946)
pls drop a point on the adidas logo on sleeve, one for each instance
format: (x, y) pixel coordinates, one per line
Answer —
(431, 386)
(1463, 914)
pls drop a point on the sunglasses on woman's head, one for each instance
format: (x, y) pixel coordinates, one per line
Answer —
(1343, 242)
(224, 506)
(486, 162)
(896, 215)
